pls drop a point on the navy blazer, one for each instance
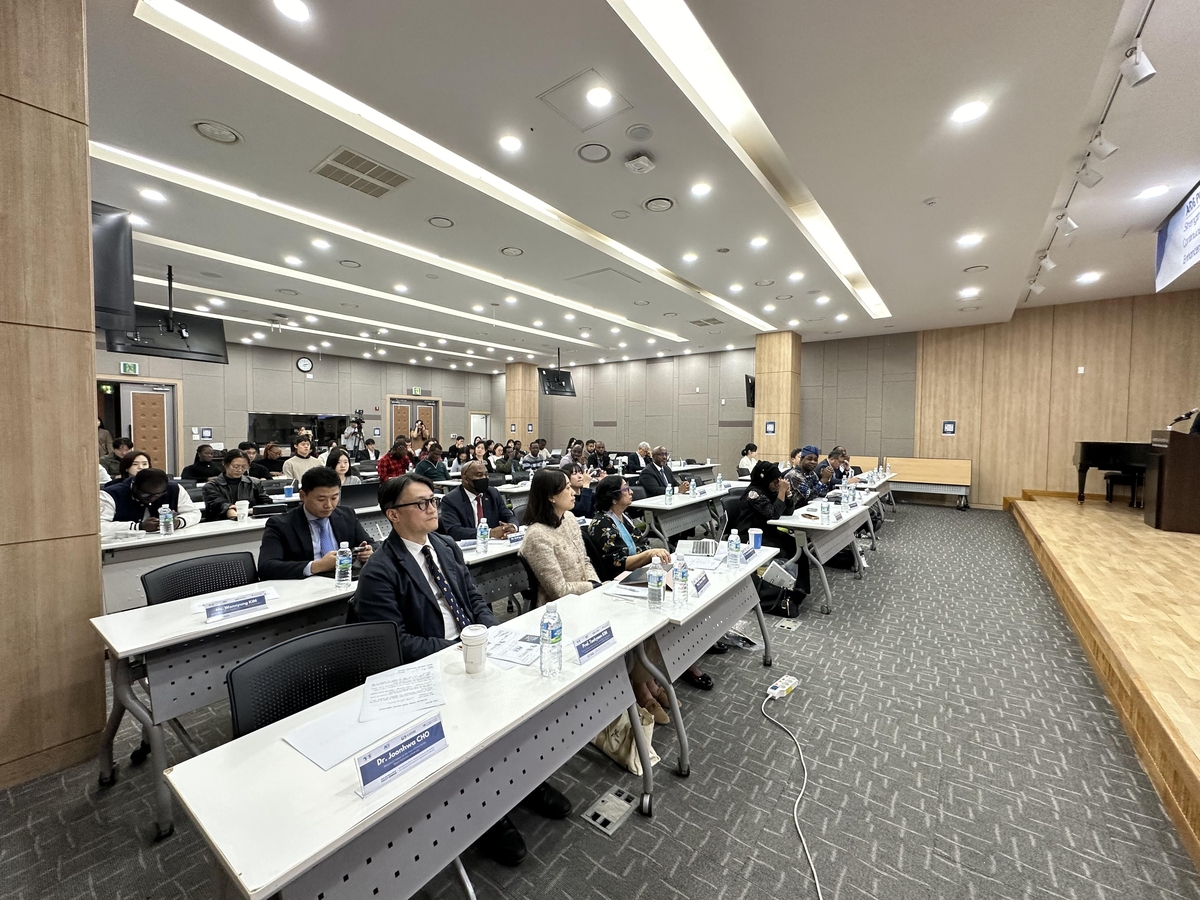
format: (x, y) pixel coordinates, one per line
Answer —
(392, 588)
(458, 518)
(652, 480)
(287, 541)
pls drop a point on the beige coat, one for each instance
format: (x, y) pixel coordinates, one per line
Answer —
(558, 559)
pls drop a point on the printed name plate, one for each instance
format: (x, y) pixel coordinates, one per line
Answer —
(700, 492)
(516, 538)
(748, 554)
(592, 643)
(397, 755)
(228, 607)
(699, 583)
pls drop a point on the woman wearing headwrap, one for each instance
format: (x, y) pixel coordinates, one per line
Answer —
(770, 496)
(807, 483)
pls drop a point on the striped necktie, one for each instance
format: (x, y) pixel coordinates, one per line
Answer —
(461, 615)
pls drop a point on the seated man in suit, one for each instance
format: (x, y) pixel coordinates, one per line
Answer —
(639, 459)
(304, 541)
(839, 461)
(420, 581)
(656, 474)
(133, 504)
(599, 459)
(475, 499)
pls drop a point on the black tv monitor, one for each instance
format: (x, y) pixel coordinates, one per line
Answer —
(750, 391)
(557, 383)
(193, 337)
(112, 267)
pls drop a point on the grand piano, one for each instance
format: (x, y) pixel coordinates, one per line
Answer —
(1111, 456)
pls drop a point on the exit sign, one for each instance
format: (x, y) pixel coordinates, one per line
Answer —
(129, 368)
(416, 392)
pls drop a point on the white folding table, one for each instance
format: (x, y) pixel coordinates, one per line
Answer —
(683, 512)
(820, 543)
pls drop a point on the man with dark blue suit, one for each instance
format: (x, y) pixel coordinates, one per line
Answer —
(304, 542)
(656, 474)
(420, 581)
(475, 499)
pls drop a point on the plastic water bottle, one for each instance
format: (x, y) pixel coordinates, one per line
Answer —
(654, 584)
(345, 561)
(482, 534)
(888, 471)
(692, 487)
(734, 549)
(551, 641)
(826, 512)
(670, 495)
(720, 482)
(679, 581)
(166, 521)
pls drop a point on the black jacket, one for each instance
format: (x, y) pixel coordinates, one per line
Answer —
(635, 462)
(200, 471)
(458, 518)
(258, 470)
(220, 493)
(392, 588)
(652, 480)
(287, 541)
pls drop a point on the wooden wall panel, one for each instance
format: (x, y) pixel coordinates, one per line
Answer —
(777, 393)
(522, 395)
(46, 229)
(1164, 361)
(1093, 406)
(42, 55)
(1014, 405)
(949, 386)
(149, 427)
(400, 421)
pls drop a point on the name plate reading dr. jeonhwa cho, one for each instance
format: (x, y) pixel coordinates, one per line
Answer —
(397, 755)
(592, 643)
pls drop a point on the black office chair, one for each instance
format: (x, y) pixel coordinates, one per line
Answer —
(202, 575)
(308, 669)
(519, 475)
(530, 593)
(689, 462)
(495, 479)
(605, 571)
(196, 493)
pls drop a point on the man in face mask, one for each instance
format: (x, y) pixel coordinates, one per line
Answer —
(475, 499)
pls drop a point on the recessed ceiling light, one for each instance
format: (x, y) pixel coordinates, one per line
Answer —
(366, 356)
(765, 282)
(510, 358)
(470, 364)
(529, 356)
(970, 269)
(292, 323)
(841, 317)
(200, 307)
(757, 242)
(659, 353)
(625, 358)
(651, 340)
(511, 143)
(969, 112)
(383, 331)
(571, 364)
(413, 361)
(422, 344)
(364, 334)
(599, 96)
(441, 341)
(477, 307)
(215, 131)
(259, 336)
(311, 320)
(785, 297)
(320, 243)
(135, 219)
(312, 348)
(152, 194)
(497, 371)
(701, 189)
(968, 293)
(1148, 194)
(1088, 278)
(969, 240)
(968, 309)
(381, 351)
(622, 345)
(296, 10)
(326, 344)
(792, 323)
(510, 299)
(429, 359)
(570, 317)
(687, 352)
(729, 346)
(822, 300)
(293, 260)
(247, 341)
(734, 288)
(690, 257)
(215, 301)
(770, 307)
(511, 251)
(350, 263)
(400, 288)
(796, 276)
(615, 330)
(602, 359)
(453, 365)
(440, 222)
(470, 352)
(491, 349)
(619, 213)
(537, 323)
(585, 334)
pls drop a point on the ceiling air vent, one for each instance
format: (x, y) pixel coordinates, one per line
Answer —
(356, 171)
(704, 323)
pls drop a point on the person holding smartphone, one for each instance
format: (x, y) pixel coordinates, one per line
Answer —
(304, 542)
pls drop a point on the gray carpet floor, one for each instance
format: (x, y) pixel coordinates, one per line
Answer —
(958, 747)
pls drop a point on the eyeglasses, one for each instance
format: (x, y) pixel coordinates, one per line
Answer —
(423, 504)
(626, 490)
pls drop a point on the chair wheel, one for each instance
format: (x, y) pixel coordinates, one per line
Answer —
(160, 834)
(140, 755)
(767, 663)
(684, 771)
(110, 780)
(647, 807)
(825, 610)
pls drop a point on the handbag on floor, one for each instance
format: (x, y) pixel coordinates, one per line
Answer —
(616, 740)
(779, 601)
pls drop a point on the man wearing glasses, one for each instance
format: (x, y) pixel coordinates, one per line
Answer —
(656, 475)
(133, 505)
(420, 581)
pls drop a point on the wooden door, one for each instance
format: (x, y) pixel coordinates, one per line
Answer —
(425, 414)
(149, 427)
(399, 420)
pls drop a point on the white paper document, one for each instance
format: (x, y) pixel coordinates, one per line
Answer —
(510, 646)
(403, 690)
(621, 592)
(338, 735)
(703, 563)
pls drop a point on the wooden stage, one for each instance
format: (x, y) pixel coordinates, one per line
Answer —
(1132, 594)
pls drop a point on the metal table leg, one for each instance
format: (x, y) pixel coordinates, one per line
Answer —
(108, 774)
(828, 607)
(871, 528)
(123, 694)
(464, 877)
(762, 626)
(643, 749)
(653, 526)
(859, 565)
(685, 765)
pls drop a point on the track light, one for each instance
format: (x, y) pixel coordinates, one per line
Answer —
(1048, 263)
(1035, 287)
(1066, 225)
(1136, 68)
(1088, 177)
(1101, 147)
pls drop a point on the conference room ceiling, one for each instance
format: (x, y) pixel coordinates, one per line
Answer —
(862, 115)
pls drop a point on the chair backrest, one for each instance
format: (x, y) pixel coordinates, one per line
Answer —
(196, 493)
(639, 492)
(605, 571)
(201, 575)
(530, 593)
(520, 475)
(689, 462)
(305, 670)
(495, 479)
(263, 510)
(734, 507)
(273, 487)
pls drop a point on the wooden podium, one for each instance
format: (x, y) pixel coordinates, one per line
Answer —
(1173, 482)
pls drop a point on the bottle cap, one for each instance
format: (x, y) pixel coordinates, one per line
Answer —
(344, 545)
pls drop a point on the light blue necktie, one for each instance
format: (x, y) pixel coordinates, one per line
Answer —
(325, 533)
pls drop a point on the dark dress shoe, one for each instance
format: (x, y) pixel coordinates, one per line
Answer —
(502, 843)
(547, 801)
(702, 681)
(718, 647)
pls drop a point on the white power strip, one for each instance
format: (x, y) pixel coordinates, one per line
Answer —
(782, 688)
